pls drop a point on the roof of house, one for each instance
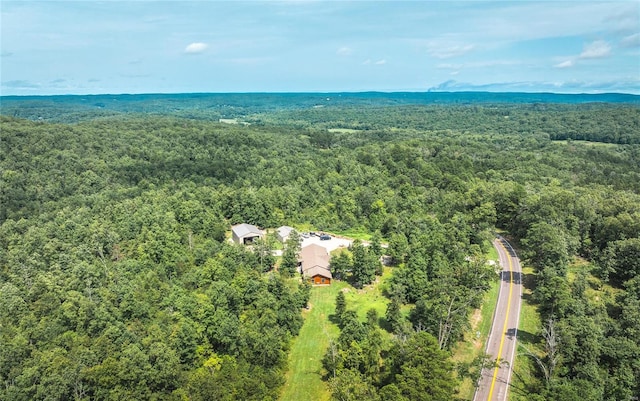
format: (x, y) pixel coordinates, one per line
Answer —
(284, 231)
(242, 230)
(315, 253)
(315, 261)
(318, 271)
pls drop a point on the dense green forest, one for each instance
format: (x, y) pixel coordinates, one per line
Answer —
(117, 280)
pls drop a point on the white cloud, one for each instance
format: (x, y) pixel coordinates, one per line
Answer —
(593, 50)
(597, 49)
(381, 62)
(573, 86)
(631, 41)
(196, 48)
(344, 51)
(565, 64)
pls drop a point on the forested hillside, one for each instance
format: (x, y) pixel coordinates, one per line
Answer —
(117, 281)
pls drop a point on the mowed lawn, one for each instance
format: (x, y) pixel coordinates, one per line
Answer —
(304, 378)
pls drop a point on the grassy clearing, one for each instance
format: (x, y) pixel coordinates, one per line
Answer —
(369, 297)
(354, 233)
(344, 130)
(591, 143)
(304, 378)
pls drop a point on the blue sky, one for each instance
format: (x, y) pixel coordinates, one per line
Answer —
(87, 47)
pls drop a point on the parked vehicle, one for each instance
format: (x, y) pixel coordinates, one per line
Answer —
(325, 237)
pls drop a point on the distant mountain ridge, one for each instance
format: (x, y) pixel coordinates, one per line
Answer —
(427, 97)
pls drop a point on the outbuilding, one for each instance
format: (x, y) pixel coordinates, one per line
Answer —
(245, 234)
(283, 233)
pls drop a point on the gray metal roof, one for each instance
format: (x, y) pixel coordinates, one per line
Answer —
(284, 231)
(242, 230)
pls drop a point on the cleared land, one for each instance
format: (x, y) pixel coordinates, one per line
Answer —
(304, 378)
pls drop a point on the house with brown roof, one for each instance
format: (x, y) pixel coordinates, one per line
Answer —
(314, 264)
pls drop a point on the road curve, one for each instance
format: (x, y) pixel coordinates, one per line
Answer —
(501, 345)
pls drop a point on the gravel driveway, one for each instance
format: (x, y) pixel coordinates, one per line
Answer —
(331, 244)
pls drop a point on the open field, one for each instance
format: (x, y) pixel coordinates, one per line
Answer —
(590, 143)
(355, 233)
(304, 380)
(344, 130)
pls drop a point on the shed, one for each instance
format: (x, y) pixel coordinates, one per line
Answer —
(283, 233)
(245, 234)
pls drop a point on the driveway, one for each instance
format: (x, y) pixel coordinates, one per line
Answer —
(331, 244)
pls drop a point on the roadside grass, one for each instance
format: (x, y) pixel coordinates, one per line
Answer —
(304, 377)
(529, 340)
(475, 339)
(493, 254)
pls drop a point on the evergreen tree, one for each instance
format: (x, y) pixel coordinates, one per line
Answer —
(394, 315)
(364, 264)
(340, 265)
(341, 306)
(289, 263)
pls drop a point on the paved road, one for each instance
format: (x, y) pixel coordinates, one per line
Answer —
(494, 382)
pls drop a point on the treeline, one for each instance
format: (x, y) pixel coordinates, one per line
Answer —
(212, 106)
(140, 299)
(589, 346)
(44, 162)
(615, 123)
(413, 365)
(116, 279)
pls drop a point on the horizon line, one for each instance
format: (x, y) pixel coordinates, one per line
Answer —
(428, 91)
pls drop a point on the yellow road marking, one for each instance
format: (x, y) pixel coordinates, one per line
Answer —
(504, 330)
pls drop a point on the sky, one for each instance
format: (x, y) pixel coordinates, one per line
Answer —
(139, 46)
